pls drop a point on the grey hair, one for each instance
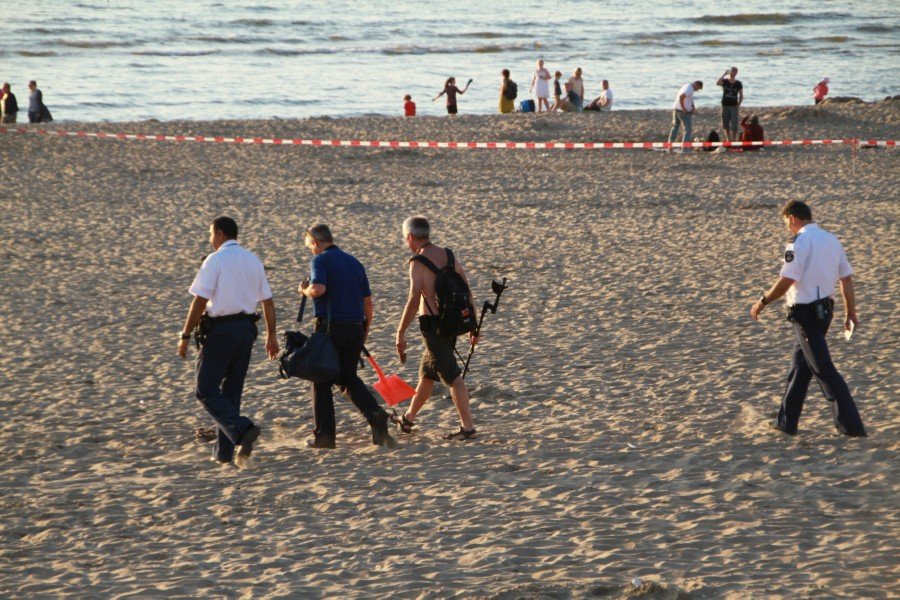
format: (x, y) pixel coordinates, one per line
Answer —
(417, 226)
(320, 233)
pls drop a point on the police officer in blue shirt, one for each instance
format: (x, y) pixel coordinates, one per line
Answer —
(228, 286)
(814, 262)
(340, 291)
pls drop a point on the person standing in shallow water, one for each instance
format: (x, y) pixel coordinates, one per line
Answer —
(814, 262)
(451, 91)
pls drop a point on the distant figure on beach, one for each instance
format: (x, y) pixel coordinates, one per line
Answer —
(540, 85)
(409, 107)
(683, 111)
(604, 101)
(814, 262)
(732, 98)
(339, 288)
(508, 92)
(577, 88)
(230, 283)
(438, 361)
(557, 89)
(9, 108)
(452, 91)
(821, 90)
(752, 131)
(569, 102)
(35, 102)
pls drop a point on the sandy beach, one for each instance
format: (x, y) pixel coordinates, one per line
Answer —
(621, 392)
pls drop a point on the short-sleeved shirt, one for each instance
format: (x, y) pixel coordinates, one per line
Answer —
(409, 108)
(346, 285)
(815, 260)
(577, 84)
(451, 91)
(688, 91)
(608, 94)
(731, 91)
(233, 280)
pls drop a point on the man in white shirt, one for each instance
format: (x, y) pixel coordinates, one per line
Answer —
(683, 111)
(814, 262)
(228, 286)
(604, 101)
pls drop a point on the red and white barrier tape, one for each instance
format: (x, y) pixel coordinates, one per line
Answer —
(453, 145)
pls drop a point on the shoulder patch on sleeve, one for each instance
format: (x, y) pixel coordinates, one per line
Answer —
(788, 255)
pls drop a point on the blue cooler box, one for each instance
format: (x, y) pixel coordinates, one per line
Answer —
(526, 106)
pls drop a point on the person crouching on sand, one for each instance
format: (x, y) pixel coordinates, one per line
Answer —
(438, 361)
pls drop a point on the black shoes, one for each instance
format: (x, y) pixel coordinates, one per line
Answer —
(380, 435)
(246, 443)
(321, 441)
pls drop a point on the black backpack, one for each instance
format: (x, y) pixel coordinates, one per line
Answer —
(511, 90)
(456, 315)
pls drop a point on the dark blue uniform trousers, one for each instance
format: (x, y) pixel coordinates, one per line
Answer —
(348, 341)
(811, 358)
(221, 367)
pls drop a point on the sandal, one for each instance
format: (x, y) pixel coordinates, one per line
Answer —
(403, 424)
(205, 434)
(462, 434)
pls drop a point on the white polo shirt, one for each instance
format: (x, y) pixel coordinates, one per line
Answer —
(688, 91)
(233, 279)
(815, 260)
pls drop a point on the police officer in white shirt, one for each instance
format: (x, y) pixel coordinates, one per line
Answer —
(230, 283)
(814, 262)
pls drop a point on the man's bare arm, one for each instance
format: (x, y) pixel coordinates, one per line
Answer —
(268, 306)
(778, 289)
(198, 305)
(849, 294)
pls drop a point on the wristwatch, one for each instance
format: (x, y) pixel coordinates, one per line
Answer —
(185, 336)
(763, 300)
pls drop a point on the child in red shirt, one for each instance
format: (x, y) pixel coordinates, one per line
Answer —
(409, 107)
(821, 90)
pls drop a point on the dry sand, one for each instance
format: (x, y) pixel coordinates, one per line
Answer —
(621, 392)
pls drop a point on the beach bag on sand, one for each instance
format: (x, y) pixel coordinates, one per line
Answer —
(526, 106)
(456, 315)
(510, 90)
(310, 357)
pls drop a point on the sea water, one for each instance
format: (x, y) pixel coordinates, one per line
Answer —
(121, 60)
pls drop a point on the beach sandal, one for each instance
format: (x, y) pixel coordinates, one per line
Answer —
(462, 434)
(205, 434)
(403, 424)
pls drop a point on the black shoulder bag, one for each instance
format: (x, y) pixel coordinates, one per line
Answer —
(311, 357)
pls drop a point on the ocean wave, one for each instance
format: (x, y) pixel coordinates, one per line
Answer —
(222, 39)
(837, 39)
(339, 38)
(876, 28)
(54, 31)
(763, 18)
(485, 35)
(174, 52)
(300, 51)
(253, 22)
(483, 49)
(87, 44)
(35, 53)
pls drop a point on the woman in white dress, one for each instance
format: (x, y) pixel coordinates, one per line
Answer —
(540, 84)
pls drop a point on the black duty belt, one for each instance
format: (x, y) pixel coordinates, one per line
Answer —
(235, 317)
